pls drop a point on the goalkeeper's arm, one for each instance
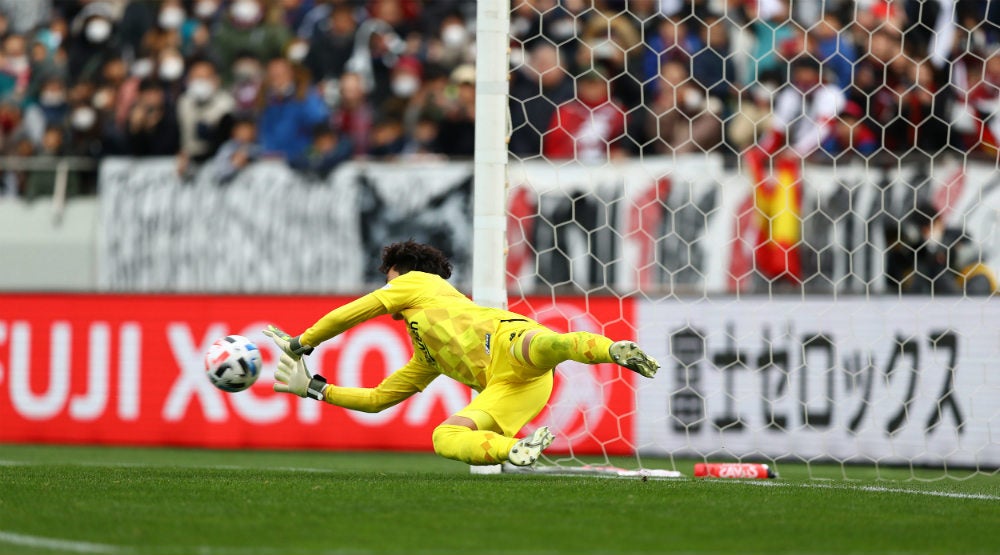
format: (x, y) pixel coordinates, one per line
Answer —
(332, 324)
(293, 377)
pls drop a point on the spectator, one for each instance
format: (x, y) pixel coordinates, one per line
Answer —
(15, 182)
(238, 152)
(16, 64)
(916, 256)
(51, 108)
(538, 87)
(353, 117)
(11, 119)
(204, 115)
(93, 41)
(247, 80)
(42, 182)
(671, 41)
(832, 47)
(422, 142)
(712, 65)
(589, 127)
(326, 152)
(388, 139)
(405, 84)
(457, 128)
(850, 136)
(804, 111)
(290, 109)
(152, 125)
(332, 43)
(686, 117)
(246, 29)
(770, 28)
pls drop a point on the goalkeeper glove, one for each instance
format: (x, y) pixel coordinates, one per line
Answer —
(293, 377)
(292, 346)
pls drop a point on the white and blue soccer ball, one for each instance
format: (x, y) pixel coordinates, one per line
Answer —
(233, 363)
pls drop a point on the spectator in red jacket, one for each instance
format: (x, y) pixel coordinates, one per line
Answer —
(589, 127)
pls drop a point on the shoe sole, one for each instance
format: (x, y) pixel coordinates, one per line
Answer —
(629, 355)
(526, 451)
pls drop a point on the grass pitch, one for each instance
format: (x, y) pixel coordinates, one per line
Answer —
(166, 501)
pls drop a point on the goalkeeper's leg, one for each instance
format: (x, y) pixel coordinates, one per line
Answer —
(483, 432)
(544, 349)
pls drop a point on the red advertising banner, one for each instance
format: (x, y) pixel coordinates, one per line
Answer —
(129, 370)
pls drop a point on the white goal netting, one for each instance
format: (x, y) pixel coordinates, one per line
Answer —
(792, 205)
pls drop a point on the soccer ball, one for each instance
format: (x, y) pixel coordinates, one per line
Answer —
(233, 363)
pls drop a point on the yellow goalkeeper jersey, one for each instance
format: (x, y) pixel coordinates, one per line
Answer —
(451, 335)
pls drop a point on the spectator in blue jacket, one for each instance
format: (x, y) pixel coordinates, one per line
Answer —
(290, 109)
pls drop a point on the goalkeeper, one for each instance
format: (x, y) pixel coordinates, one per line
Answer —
(504, 356)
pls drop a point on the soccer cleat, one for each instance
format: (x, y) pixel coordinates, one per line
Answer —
(527, 450)
(629, 355)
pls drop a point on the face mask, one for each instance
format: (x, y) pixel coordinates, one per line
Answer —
(98, 30)
(171, 69)
(205, 9)
(298, 52)
(201, 89)
(102, 99)
(50, 99)
(245, 11)
(142, 68)
(83, 118)
(18, 64)
(453, 36)
(283, 92)
(245, 73)
(171, 17)
(405, 86)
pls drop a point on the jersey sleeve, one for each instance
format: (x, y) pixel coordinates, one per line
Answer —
(402, 292)
(341, 319)
(394, 389)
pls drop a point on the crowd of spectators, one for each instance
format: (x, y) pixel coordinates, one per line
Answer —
(219, 83)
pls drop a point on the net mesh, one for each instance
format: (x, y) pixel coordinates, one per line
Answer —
(792, 205)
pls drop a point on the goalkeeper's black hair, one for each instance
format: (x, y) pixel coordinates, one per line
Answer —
(409, 256)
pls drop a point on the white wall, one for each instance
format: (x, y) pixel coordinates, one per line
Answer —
(39, 253)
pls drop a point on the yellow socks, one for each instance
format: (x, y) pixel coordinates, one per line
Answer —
(471, 446)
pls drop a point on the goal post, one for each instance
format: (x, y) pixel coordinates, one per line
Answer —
(793, 209)
(489, 251)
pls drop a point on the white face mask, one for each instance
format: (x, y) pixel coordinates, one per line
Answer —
(171, 17)
(171, 68)
(102, 99)
(98, 30)
(206, 9)
(245, 11)
(142, 67)
(298, 52)
(405, 86)
(454, 36)
(201, 89)
(50, 99)
(83, 118)
(17, 64)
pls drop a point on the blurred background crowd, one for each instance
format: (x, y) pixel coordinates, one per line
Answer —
(318, 82)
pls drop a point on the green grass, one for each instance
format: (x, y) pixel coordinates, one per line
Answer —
(166, 501)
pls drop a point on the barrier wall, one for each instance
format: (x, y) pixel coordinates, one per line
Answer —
(889, 381)
(660, 224)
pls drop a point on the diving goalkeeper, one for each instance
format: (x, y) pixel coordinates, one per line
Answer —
(505, 356)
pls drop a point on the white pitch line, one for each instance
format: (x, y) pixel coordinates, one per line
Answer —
(5, 462)
(882, 489)
(42, 542)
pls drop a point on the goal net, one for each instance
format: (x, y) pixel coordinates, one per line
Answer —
(792, 205)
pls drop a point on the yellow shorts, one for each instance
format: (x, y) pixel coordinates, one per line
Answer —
(515, 392)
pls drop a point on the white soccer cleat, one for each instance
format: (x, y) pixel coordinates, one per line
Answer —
(527, 450)
(629, 355)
